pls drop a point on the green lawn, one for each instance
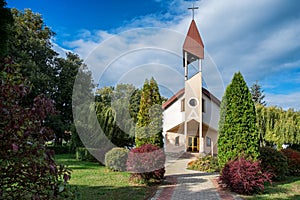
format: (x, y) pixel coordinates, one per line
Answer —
(96, 182)
(289, 189)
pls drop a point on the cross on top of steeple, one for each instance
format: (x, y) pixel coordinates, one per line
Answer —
(193, 9)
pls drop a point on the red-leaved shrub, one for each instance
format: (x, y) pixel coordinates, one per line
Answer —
(293, 157)
(27, 169)
(244, 176)
(146, 162)
(273, 161)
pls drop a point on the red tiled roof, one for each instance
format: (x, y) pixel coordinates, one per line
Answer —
(174, 98)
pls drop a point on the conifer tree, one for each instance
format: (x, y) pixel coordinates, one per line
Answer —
(149, 125)
(257, 94)
(237, 126)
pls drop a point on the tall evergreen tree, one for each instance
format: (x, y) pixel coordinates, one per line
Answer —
(257, 94)
(149, 125)
(237, 126)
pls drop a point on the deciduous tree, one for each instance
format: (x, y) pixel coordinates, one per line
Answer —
(27, 169)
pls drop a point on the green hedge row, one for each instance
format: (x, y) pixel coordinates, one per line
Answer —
(83, 154)
(60, 149)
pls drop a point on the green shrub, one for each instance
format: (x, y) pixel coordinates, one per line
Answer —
(205, 164)
(295, 147)
(293, 158)
(273, 161)
(60, 149)
(116, 159)
(83, 154)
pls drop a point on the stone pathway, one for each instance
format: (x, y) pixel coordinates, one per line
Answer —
(183, 184)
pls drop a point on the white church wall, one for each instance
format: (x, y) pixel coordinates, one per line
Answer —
(211, 115)
(170, 143)
(213, 136)
(175, 116)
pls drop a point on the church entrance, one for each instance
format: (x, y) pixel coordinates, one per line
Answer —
(193, 144)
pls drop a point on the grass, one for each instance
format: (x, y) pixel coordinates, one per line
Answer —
(288, 189)
(97, 182)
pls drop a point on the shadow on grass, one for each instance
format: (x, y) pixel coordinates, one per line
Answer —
(115, 193)
(70, 161)
(288, 190)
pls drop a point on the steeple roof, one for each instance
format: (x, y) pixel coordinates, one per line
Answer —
(193, 43)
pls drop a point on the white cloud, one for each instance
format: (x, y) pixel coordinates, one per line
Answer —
(285, 101)
(257, 38)
(61, 51)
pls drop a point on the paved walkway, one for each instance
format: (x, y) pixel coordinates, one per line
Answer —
(183, 184)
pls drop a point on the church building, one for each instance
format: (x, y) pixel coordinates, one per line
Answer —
(191, 116)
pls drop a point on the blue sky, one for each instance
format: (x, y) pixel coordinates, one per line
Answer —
(259, 38)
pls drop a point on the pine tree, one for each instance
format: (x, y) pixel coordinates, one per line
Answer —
(237, 126)
(149, 125)
(257, 94)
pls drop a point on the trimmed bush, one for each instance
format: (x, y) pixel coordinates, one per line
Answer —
(244, 177)
(146, 162)
(293, 159)
(273, 161)
(205, 164)
(116, 159)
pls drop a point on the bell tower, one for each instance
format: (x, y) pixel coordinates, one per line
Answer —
(193, 51)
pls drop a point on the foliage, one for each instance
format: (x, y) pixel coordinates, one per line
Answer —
(257, 94)
(5, 20)
(149, 124)
(116, 159)
(83, 154)
(295, 147)
(29, 44)
(66, 70)
(244, 177)
(59, 149)
(115, 108)
(28, 170)
(147, 162)
(75, 141)
(207, 163)
(237, 125)
(293, 158)
(273, 161)
(277, 126)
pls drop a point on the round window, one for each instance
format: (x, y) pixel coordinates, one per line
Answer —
(193, 102)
